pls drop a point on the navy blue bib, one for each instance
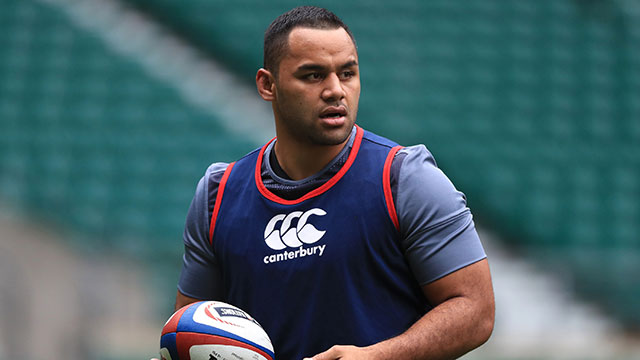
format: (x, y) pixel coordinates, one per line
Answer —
(321, 270)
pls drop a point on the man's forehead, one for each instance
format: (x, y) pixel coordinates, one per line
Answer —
(303, 40)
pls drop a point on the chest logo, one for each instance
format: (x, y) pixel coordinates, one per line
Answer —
(288, 235)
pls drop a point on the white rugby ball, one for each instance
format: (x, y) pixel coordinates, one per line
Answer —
(214, 330)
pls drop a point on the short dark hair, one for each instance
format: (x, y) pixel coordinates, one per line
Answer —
(276, 38)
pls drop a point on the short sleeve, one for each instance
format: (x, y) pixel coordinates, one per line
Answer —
(200, 277)
(438, 232)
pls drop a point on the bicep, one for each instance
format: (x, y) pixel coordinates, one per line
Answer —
(437, 228)
(472, 282)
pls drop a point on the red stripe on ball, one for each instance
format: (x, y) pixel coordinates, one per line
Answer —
(172, 324)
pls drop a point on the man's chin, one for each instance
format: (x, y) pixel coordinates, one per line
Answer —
(332, 136)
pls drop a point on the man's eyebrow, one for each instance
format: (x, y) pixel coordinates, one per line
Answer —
(349, 64)
(317, 67)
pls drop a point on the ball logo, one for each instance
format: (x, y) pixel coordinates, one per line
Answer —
(212, 315)
(289, 236)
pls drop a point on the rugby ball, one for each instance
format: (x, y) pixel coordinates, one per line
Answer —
(214, 330)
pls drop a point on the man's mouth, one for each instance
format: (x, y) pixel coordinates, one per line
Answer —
(333, 112)
(331, 116)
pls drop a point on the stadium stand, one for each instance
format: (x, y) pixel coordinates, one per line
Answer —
(531, 107)
(92, 143)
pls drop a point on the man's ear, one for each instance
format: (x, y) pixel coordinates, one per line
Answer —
(265, 82)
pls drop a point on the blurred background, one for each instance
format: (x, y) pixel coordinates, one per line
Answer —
(111, 110)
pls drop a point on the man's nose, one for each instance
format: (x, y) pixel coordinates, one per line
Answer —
(333, 89)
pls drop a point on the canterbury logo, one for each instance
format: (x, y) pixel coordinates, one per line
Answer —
(288, 236)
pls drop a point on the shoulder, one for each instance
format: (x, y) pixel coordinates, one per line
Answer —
(197, 221)
(208, 185)
(417, 164)
(424, 189)
(416, 156)
(212, 176)
(413, 161)
(377, 139)
(216, 170)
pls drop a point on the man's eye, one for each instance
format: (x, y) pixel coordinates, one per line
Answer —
(314, 76)
(348, 74)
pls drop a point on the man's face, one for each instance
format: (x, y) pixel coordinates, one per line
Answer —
(317, 87)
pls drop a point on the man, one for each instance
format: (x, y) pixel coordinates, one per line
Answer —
(342, 244)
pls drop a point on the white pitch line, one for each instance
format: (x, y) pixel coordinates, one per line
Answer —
(199, 80)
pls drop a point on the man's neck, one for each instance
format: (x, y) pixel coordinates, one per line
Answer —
(300, 162)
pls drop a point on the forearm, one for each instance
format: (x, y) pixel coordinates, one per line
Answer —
(448, 331)
(461, 321)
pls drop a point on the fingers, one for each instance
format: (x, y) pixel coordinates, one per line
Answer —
(335, 352)
(327, 355)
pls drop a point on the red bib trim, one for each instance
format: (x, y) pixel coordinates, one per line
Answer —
(386, 183)
(216, 207)
(318, 191)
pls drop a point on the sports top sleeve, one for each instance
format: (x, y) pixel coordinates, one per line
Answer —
(438, 232)
(199, 261)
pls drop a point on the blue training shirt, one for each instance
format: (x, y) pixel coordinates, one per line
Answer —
(434, 237)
